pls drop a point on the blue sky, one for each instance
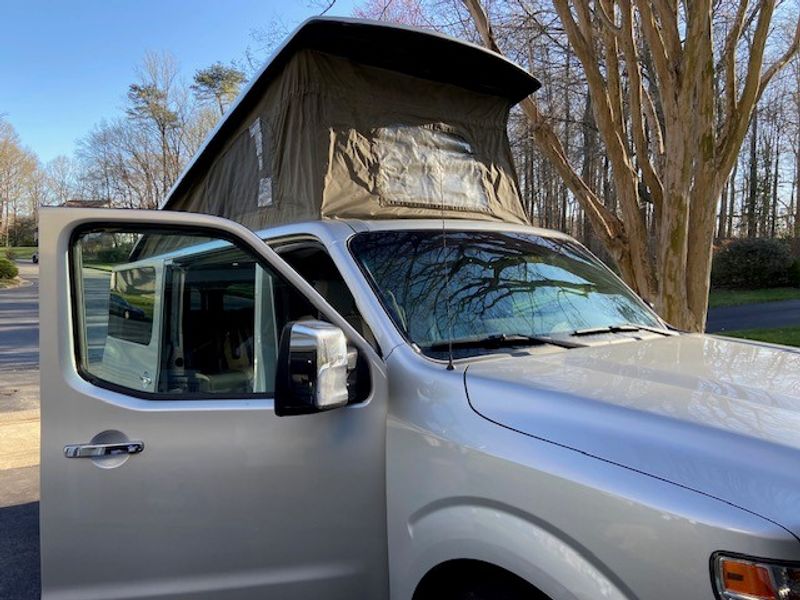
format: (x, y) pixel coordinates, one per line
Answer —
(66, 64)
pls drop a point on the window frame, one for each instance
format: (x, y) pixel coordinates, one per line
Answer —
(290, 243)
(77, 294)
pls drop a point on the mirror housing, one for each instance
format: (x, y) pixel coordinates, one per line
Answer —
(312, 370)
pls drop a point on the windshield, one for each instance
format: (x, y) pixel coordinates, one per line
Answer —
(480, 284)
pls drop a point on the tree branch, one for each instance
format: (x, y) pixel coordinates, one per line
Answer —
(598, 86)
(653, 123)
(628, 42)
(606, 224)
(482, 24)
(662, 61)
(606, 19)
(668, 17)
(773, 69)
(738, 122)
(729, 57)
(614, 84)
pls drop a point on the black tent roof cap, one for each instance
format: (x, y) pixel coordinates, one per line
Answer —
(415, 52)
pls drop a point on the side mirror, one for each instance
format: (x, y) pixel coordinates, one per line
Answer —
(313, 364)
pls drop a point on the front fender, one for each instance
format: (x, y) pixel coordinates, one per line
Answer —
(577, 527)
(479, 529)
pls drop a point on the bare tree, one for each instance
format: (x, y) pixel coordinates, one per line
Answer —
(133, 160)
(60, 176)
(16, 166)
(671, 144)
(159, 103)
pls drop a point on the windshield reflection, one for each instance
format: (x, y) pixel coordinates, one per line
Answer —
(471, 285)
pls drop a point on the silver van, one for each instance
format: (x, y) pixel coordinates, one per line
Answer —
(395, 409)
(374, 380)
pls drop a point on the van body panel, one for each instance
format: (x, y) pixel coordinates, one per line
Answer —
(226, 499)
(715, 415)
(573, 525)
(546, 462)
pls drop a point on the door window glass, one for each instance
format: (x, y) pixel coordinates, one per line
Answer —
(197, 318)
(130, 304)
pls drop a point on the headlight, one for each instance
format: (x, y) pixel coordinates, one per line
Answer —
(742, 578)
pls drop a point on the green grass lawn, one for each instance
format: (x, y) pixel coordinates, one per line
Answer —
(788, 336)
(719, 298)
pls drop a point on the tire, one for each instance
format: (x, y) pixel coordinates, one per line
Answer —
(497, 590)
(485, 588)
(474, 580)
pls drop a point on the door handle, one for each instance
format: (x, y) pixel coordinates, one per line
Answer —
(99, 450)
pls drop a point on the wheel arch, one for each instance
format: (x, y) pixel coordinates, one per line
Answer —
(439, 579)
(502, 540)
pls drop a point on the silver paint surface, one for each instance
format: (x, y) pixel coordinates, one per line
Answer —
(613, 471)
(715, 415)
(228, 500)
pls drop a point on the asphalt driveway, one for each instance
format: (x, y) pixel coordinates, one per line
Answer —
(19, 322)
(767, 315)
(19, 438)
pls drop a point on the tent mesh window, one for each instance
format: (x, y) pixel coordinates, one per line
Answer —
(426, 166)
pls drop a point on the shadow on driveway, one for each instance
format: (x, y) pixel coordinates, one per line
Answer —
(19, 552)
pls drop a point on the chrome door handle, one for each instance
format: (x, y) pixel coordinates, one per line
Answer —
(99, 450)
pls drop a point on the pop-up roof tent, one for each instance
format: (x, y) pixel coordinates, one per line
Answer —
(360, 119)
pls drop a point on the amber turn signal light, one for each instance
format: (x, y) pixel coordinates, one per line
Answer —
(739, 578)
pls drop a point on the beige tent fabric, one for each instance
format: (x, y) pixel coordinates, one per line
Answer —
(331, 138)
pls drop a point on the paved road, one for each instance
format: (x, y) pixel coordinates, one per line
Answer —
(19, 323)
(767, 315)
(19, 438)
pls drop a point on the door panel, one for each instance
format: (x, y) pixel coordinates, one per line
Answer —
(226, 500)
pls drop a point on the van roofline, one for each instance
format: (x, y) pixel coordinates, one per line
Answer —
(416, 52)
(334, 227)
(341, 229)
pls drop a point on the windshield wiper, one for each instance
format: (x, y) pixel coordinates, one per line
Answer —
(499, 340)
(621, 328)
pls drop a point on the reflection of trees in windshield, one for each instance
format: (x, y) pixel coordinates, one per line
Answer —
(493, 283)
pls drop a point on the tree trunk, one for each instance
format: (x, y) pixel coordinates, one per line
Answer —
(797, 187)
(567, 121)
(732, 201)
(689, 153)
(773, 217)
(752, 195)
(723, 211)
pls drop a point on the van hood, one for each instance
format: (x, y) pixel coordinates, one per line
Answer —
(718, 416)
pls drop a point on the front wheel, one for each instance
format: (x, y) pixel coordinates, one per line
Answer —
(475, 580)
(484, 586)
(494, 591)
